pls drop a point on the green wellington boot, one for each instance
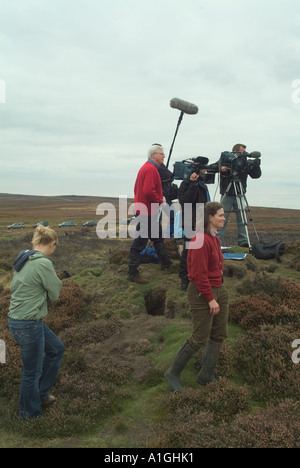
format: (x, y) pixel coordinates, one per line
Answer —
(209, 362)
(172, 375)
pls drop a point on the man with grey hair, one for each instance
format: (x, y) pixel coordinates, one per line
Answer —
(148, 197)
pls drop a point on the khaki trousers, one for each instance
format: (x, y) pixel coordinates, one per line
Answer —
(205, 325)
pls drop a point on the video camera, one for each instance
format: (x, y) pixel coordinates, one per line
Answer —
(184, 169)
(239, 162)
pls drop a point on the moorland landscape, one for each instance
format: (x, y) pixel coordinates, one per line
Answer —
(120, 337)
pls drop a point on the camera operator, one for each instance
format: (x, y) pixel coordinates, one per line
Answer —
(229, 199)
(192, 191)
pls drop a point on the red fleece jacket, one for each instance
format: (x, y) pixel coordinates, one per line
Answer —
(147, 188)
(206, 265)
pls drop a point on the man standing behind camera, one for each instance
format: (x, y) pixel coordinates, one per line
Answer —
(229, 199)
(148, 196)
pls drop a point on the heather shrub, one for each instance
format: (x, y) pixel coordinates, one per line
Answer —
(141, 347)
(4, 303)
(279, 305)
(226, 400)
(85, 396)
(295, 263)
(284, 291)
(293, 247)
(90, 332)
(252, 311)
(264, 359)
(261, 283)
(68, 309)
(225, 364)
(199, 431)
(118, 256)
(289, 293)
(89, 388)
(11, 371)
(57, 421)
(223, 399)
(273, 427)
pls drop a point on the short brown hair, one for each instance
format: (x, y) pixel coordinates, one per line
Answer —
(238, 147)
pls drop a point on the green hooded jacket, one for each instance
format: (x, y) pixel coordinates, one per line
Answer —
(34, 281)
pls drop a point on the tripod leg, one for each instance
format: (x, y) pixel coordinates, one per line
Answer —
(242, 211)
(250, 217)
(239, 193)
(227, 203)
(242, 203)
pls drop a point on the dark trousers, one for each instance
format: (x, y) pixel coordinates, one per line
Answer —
(154, 233)
(183, 272)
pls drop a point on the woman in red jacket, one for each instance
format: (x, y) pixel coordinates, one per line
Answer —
(208, 300)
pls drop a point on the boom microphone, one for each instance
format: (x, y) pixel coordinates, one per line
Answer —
(183, 106)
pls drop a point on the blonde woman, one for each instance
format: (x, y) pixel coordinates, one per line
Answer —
(34, 282)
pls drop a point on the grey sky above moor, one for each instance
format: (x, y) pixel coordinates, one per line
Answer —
(86, 86)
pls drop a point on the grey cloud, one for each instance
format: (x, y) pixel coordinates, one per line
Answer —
(89, 85)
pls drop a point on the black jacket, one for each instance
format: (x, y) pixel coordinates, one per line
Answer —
(192, 192)
(253, 171)
(170, 190)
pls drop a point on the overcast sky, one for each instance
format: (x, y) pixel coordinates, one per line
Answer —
(86, 85)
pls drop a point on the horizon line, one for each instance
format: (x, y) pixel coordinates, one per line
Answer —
(122, 196)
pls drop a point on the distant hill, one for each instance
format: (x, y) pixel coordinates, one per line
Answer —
(31, 209)
(9, 198)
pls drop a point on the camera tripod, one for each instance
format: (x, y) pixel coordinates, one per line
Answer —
(243, 206)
